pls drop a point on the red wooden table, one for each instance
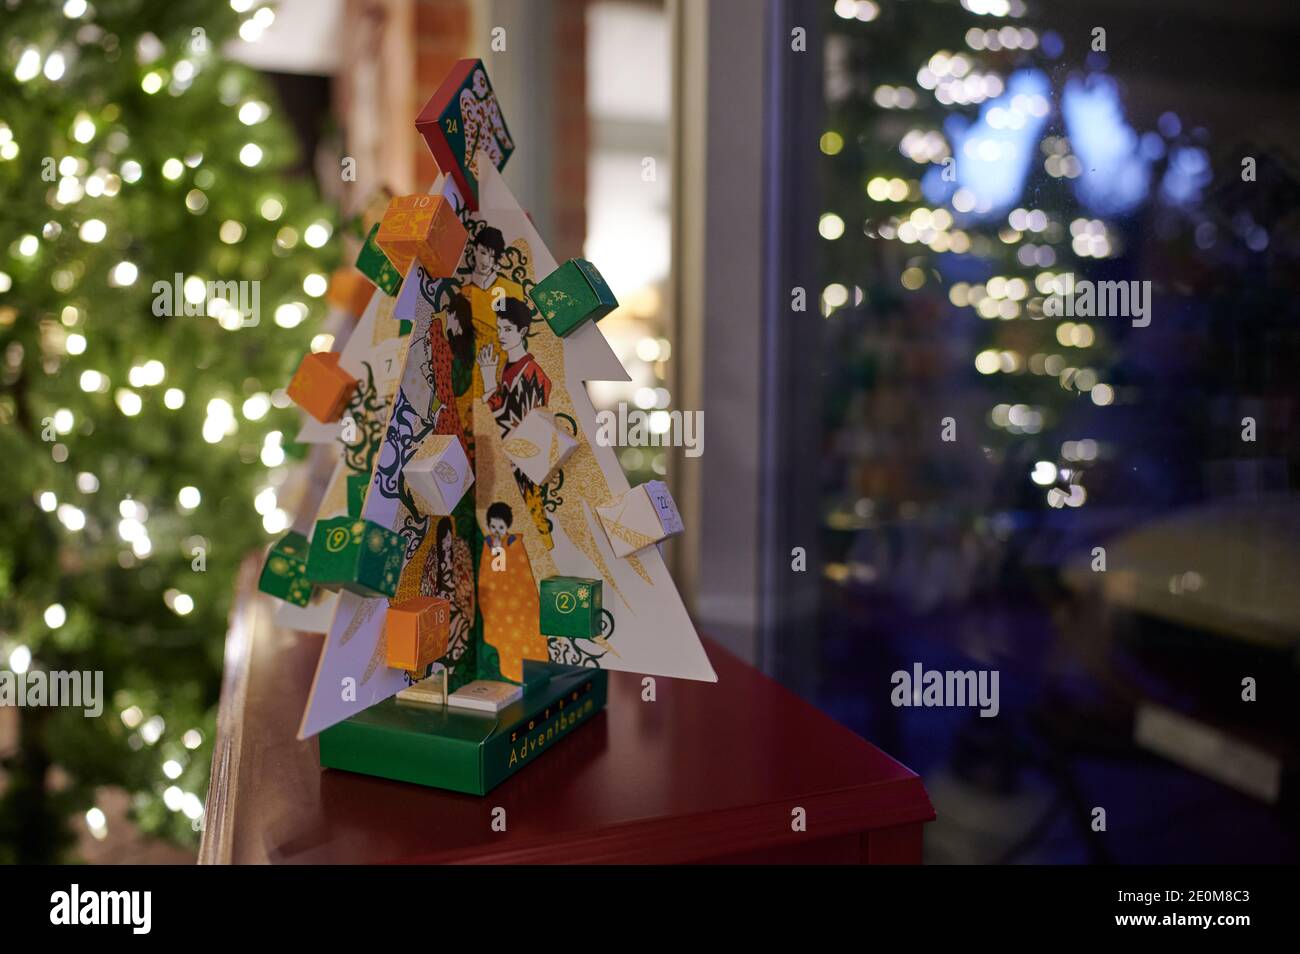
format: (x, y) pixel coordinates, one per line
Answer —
(707, 773)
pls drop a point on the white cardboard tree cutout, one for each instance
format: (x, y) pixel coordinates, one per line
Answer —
(652, 633)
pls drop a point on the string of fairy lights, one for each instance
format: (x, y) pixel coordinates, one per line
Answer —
(104, 179)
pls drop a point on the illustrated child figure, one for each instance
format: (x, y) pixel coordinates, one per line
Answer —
(523, 386)
(507, 596)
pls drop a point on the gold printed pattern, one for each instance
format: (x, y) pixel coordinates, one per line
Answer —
(364, 612)
(634, 538)
(518, 447)
(378, 658)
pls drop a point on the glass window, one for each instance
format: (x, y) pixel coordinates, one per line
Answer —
(1058, 386)
(628, 214)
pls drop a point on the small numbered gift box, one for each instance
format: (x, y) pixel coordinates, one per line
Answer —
(356, 555)
(417, 631)
(350, 291)
(464, 127)
(441, 473)
(423, 227)
(374, 264)
(570, 606)
(284, 574)
(538, 446)
(644, 515)
(571, 295)
(322, 388)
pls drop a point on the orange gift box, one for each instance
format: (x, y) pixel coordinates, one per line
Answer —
(423, 227)
(417, 631)
(320, 387)
(349, 290)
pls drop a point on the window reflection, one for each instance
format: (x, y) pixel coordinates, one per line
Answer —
(628, 230)
(1060, 353)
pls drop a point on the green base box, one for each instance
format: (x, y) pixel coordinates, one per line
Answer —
(573, 293)
(374, 264)
(357, 555)
(284, 574)
(461, 749)
(570, 606)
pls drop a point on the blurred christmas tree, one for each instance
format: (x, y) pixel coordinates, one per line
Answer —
(973, 162)
(141, 431)
(947, 166)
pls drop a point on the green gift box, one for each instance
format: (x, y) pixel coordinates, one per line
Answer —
(284, 574)
(358, 484)
(570, 606)
(374, 264)
(296, 451)
(572, 294)
(357, 555)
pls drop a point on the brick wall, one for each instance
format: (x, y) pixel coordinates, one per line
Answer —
(442, 36)
(396, 53)
(570, 151)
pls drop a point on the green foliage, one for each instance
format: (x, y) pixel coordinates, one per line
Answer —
(61, 316)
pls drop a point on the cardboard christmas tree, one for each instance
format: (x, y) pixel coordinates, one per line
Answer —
(462, 566)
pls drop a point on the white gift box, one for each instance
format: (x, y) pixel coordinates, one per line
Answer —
(440, 474)
(643, 516)
(486, 695)
(538, 446)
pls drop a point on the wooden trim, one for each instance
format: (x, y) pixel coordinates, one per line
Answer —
(791, 446)
(716, 296)
(215, 845)
(903, 806)
(893, 846)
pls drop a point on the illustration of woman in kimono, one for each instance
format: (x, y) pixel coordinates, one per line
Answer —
(439, 372)
(523, 387)
(507, 596)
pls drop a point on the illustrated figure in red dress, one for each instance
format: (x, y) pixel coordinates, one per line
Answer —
(523, 387)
